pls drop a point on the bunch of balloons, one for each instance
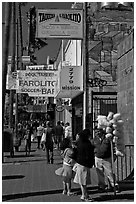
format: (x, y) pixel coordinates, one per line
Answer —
(113, 125)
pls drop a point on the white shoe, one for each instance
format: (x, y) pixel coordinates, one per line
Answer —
(64, 192)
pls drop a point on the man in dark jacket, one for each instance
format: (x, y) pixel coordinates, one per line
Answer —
(49, 142)
(58, 130)
(103, 161)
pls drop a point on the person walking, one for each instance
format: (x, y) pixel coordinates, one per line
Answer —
(66, 171)
(40, 130)
(58, 130)
(49, 142)
(27, 138)
(68, 131)
(103, 161)
(84, 156)
(62, 124)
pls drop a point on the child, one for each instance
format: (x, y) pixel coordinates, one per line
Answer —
(66, 171)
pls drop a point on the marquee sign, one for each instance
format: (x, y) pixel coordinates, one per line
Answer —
(36, 83)
(56, 23)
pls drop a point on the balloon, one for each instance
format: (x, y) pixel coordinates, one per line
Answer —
(119, 122)
(119, 153)
(109, 135)
(116, 133)
(115, 139)
(108, 129)
(102, 121)
(110, 116)
(117, 116)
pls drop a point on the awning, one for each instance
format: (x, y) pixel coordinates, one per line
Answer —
(68, 94)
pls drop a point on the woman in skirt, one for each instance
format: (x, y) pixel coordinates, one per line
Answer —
(66, 171)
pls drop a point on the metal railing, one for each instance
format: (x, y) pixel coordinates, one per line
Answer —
(124, 166)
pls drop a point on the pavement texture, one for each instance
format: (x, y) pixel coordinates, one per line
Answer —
(31, 179)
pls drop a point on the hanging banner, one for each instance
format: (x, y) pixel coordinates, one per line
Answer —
(70, 82)
(40, 67)
(11, 79)
(36, 83)
(56, 23)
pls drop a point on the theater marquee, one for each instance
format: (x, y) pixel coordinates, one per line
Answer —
(56, 23)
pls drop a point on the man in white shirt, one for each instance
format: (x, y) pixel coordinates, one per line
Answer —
(40, 131)
(68, 131)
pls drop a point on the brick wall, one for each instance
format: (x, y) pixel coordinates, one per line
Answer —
(125, 83)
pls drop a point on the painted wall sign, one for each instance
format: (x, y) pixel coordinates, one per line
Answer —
(56, 23)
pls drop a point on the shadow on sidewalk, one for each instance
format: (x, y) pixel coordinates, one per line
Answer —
(20, 156)
(24, 195)
(76, 191)
(12, 177)
(113, 197)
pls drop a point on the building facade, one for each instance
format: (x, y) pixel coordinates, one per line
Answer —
(106, 26)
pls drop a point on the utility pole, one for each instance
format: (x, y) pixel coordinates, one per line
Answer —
(16, 97)
(21, 36)
(12, 61)
(8, 9)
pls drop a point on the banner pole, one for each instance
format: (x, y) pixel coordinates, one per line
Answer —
(84, 65)
(113, 172)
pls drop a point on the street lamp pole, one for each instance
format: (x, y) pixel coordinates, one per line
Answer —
(4, 64)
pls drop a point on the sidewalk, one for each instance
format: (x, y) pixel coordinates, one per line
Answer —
(30, 179)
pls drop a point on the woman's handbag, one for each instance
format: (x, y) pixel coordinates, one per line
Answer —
(75, 167)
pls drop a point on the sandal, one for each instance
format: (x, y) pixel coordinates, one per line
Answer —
(70, 193)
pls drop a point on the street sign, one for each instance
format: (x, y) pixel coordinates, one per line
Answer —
(37, 83)
(55, 23)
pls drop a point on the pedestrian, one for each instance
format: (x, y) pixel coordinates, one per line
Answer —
(43, 140)
(103, 161)
(49, 142)
(58, 130)
(66, 171)
(27, 138)
(68, 131)
(40, 130)
(84, 156)
(62, 124)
